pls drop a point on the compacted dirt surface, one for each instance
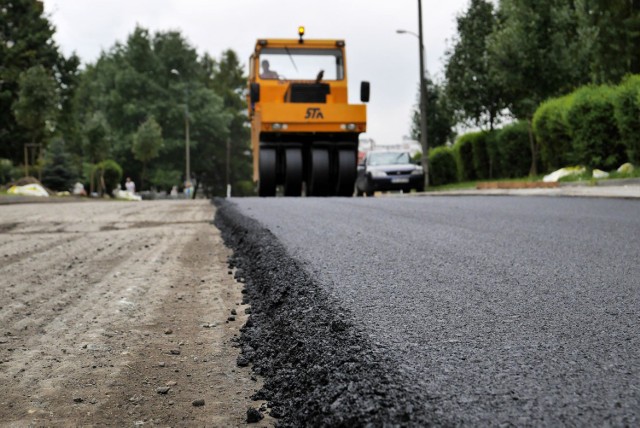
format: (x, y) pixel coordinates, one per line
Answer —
(115, 313)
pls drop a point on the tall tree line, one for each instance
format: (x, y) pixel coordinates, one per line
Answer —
(509, 56)
(130, 105)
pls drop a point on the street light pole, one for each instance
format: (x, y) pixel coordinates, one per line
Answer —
(186, 128)
(186, 133)
(424, 142)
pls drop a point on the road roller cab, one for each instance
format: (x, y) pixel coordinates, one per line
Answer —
(304, 132)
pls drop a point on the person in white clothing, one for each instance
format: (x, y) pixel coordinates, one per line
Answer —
(130, 186)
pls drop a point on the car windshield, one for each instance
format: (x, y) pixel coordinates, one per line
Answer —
(389, 158)
(301, 64)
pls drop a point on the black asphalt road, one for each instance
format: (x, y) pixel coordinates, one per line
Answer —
(498, 310)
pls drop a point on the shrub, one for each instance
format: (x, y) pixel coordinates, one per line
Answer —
(596, 140)
(442, 166)
(164, 178)
(514, 149)
(7, 171)
(244, 188)
(553, 133)
(463, 152)
(627, 114)
(111, 173)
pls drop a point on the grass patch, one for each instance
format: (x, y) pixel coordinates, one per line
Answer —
(618, 175)
(585, 176)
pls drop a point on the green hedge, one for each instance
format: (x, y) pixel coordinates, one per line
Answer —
(503, 153)
(442, 166)
(514, 150)
(596, 139)
(494, 155)
(553, 133)
(473, 156)
(463, 152)
(480, 155)
(627, 114)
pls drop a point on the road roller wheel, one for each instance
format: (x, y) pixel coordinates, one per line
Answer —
(293, 172)
(346, 172)
(318, 182)
(267, 172)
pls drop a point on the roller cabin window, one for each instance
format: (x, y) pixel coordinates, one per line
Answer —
(301, 64)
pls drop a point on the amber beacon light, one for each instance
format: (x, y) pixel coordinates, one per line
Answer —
(301, 33)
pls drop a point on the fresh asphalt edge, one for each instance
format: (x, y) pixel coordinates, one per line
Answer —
(319, 369)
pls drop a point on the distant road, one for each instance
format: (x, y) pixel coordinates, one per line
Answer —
(520, 311)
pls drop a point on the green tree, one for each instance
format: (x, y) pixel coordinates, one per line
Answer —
(147, 143)
(612, 32)
(97, 138)
(536, 53)
(26, 41)
(58, 173)
(69, 126)
(472, 88)
(227, 79)
(440, 117)
(36, 107)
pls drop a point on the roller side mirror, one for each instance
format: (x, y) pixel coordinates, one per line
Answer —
(364, 91)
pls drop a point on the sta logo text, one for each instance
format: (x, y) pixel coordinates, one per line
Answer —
(314, 113)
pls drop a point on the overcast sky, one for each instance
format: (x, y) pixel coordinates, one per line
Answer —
(374, 51)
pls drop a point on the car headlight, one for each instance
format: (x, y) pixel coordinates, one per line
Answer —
(377, 173)
(417, 171)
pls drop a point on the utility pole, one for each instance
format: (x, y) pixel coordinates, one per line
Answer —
(424, 142)
(228, 167)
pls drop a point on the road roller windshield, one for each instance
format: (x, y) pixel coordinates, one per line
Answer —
(301, 64)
